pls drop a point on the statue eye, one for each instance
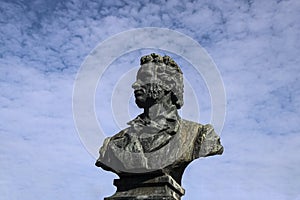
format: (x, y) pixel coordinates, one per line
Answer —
(160, 69)
(144, 74)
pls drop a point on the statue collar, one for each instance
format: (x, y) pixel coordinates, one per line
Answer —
(167, 122)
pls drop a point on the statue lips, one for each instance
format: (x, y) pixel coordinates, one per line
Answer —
(139, 92)
(140, 97)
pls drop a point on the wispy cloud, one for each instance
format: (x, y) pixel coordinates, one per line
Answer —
(255, 45)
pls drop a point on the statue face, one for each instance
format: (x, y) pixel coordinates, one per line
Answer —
(147, 90)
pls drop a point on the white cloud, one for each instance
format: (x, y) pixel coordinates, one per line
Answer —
(254, 44)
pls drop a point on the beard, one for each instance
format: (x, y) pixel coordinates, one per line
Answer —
(148, 95)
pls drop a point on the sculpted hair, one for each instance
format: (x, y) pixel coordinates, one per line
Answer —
(170, 74)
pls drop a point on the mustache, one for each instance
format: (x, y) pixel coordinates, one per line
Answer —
(139, 91)
(150, 90)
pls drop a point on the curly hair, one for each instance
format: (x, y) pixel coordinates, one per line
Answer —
(170, 74)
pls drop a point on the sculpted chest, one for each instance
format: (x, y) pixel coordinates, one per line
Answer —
(129, 152)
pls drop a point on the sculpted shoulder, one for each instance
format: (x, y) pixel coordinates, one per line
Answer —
(201, 140)
(117, 138)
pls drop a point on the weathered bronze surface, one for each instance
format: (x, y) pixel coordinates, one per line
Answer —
(151, 155)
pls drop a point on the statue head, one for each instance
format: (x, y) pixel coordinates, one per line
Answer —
(157, 78)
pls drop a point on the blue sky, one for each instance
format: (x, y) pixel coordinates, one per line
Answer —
(255, 45)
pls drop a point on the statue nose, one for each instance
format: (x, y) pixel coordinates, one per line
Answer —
(136, 85)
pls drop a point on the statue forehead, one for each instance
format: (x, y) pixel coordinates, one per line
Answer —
(152, 67)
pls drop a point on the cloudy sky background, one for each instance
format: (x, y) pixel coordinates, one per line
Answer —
(255, 45)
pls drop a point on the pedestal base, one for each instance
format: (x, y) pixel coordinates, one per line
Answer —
(147, 187)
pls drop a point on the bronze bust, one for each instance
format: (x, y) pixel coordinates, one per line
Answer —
(158, 139)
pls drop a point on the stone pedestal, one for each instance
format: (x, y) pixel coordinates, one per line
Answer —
(147, 187)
